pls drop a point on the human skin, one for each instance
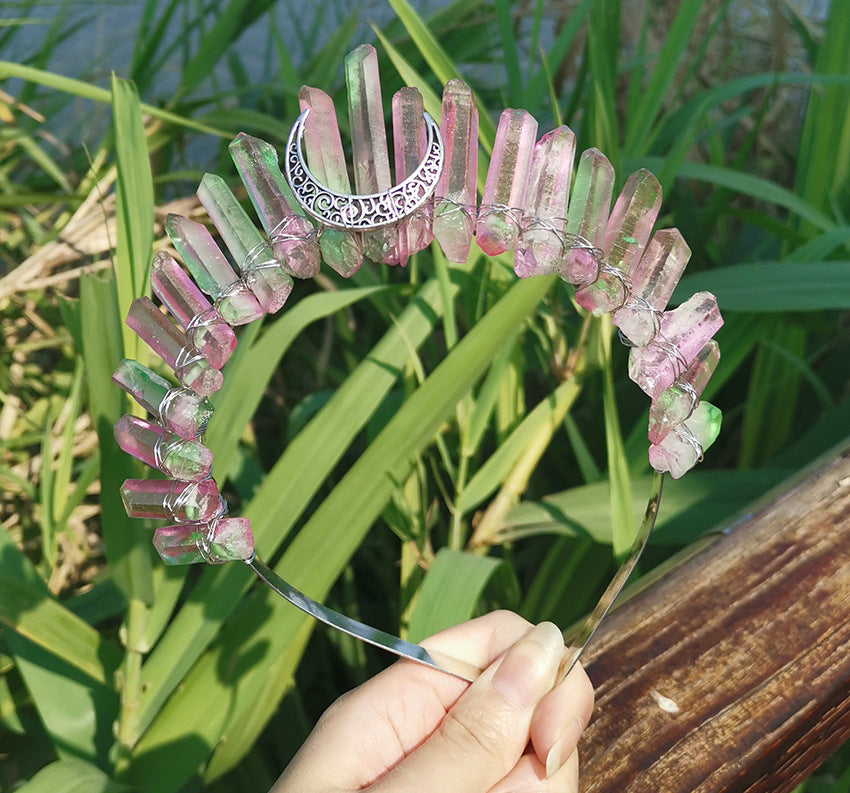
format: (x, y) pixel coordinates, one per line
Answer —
(413, 728)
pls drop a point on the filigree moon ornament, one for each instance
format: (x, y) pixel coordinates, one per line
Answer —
(356, 212)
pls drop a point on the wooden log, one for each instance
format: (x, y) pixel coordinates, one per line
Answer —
(732, 672)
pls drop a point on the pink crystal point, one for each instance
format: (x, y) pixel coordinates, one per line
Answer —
(540, 249)
(211, 270)
(410, 139)
(653, 278)
(205, 327)
(342, 250)
(626, 236)
(170, 344)
(586, 217)
(369, 144)
(683, 447)
(177, 458)
(684, 332)
(172, 499)
(455, 210)
(291, 235)
(257, 263)
(677, 403)
(225, 539)
(507, 177)
(179, 410)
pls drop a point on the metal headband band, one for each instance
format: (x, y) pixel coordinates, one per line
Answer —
(354, 212)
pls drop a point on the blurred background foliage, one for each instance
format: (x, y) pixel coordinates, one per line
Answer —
(414, 445)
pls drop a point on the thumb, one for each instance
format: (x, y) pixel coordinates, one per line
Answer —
(487, 730)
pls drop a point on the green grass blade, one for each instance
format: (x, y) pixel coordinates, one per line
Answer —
(133, 204)
(229, 23)
(601, 53)
(746, 184)
(71, 776)
(126, 545)
(509, 52)
(27, 608)
(452, 589)
(440, 63)
(493, 472)
(653, 94)
(775, 286)
(85, 90)
(253, 365)
(623, 525)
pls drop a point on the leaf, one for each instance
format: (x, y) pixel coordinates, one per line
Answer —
(76, 712)
(251, 367)
(746, 184)
(452, 590)
(442, 66)
(690, 506)
(133, 204)
(86, 90)
(651, 99)
(71, 776)
(28, 608)
(774, 286)
(126, 544)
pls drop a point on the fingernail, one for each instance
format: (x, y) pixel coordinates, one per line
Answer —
(563, 747)
(528, 670)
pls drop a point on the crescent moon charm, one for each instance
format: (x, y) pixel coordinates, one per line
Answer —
(356, 212)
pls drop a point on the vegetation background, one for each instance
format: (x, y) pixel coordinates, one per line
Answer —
(413, 445)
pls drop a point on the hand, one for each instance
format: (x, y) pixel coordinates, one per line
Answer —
(412, 728)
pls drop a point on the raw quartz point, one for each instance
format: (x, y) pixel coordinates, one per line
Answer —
(507, 177)
(540, 248)
(204, 326)
(369, 144)
(454, 212)
(171, 344)
(172, 500)
(223, 540)
(177, 458)
(653, 278)
(211, 270)
(291, 235)
(676, 404)
(683, 447)
(684, 332)
(342, 250)
(410, 139)
(257, 263)
(179, 410)
(626, 236)
(586, 217)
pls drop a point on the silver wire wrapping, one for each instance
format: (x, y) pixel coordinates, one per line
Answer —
(620, 276)
(187, 357)
(260, 257)
(687, 388)
(203, 319)
(637, 303)
(514, 215)
(280, 233)
(673, 354)
(164, 446)
(179, 496)
(684, 433)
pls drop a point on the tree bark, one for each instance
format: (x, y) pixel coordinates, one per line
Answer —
(732, 672)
